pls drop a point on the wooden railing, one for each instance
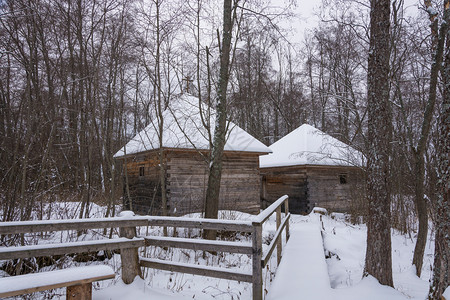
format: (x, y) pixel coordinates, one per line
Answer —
(129, 243)
(260, 261)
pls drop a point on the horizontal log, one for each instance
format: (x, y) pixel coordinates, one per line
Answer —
(232, 188)
(68, 248)
(225, 225)
(196, 269)
(72, 224)
(266, 257)
(198, 244)
(189, 182)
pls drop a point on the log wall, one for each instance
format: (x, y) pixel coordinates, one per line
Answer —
(310, 186)
(145, 190)
(326, 189)
(186, 182)
(188, 179)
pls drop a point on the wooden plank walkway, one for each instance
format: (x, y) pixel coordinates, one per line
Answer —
(303, 271)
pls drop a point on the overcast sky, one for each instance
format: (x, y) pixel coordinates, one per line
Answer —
(306, 11)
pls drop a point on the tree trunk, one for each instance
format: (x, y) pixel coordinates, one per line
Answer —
(422, 212)
(160, 109)
(441, 268)
(378, 255)
(438, 41)
(215, 169)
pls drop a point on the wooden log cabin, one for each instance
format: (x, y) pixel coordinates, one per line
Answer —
(185, 157)
(314, 169)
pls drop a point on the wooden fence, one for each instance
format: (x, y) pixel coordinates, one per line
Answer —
(129, 242)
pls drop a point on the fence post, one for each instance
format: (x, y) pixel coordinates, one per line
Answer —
(129, 257)
(279, 241)
(257, 267)
(286, 211)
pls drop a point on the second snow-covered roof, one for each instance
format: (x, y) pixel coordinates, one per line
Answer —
(307, 145)
(183, 129)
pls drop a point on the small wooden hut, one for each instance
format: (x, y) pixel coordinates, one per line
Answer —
(314, 169)
(185, 154)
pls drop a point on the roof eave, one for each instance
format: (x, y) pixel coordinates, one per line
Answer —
(189, 150)
(310, 166)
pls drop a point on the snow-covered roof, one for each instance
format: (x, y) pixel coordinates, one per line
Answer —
(183, 129)
(307, 145)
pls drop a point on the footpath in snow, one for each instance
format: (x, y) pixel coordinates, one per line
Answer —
(303, 271)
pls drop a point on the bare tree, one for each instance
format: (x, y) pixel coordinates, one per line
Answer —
(419, 150)
(215, 168)
(66, 112)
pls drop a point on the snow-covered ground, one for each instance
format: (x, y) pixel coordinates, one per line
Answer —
(340, 277)
(344, 246)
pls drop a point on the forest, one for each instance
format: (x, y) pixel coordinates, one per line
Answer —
(79, 78)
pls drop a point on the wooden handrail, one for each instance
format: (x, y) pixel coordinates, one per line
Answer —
(198, 244)
(201, 223)
(196, 269)
(273, 243)
(68, 248)
(18, 227)
(265, 214)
